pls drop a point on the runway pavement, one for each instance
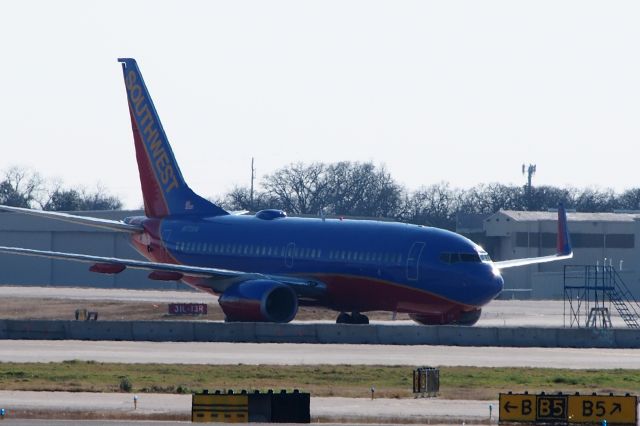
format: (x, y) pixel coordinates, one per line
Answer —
(309, 354)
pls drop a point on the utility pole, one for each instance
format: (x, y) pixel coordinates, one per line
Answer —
(253, 177)
(530, 171)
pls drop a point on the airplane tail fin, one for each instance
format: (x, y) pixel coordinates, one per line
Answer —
(164, 190)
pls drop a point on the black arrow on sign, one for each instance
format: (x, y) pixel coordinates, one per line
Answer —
(616, 408)
(508, 407)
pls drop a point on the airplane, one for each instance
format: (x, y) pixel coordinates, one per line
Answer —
(264, 266)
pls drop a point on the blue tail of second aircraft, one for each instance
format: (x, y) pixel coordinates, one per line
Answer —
(164, 190)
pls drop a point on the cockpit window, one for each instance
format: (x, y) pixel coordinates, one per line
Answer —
(464, 257)
(469, 257)
(449, 257)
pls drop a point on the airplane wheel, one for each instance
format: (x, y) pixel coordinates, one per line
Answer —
(358, 318)
(344, 318)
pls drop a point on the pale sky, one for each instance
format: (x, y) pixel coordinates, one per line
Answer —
(457, 91)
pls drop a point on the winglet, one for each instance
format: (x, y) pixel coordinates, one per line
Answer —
(563, 247)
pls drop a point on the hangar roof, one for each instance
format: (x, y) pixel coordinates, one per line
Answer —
(526, 216)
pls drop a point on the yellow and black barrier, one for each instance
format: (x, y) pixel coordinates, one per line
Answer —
(220, 408)
(245, 407)
(564, 408)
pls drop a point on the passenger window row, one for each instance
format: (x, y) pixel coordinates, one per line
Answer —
(370, 257)
(247, 250)
(236, 249)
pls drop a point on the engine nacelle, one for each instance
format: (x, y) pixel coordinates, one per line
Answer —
(457, 318)
(260, 301)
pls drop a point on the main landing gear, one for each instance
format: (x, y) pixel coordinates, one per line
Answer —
(353, 318)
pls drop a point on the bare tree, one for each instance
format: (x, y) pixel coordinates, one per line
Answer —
(547, 197)
(361, 189)
(434, 205)
(20, 187)
(629, 199)
(299, 189)
(70, 199)
(595, 200)
(489, 198)
(240, 199)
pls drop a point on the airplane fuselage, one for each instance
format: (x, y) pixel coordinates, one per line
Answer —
(365, 265)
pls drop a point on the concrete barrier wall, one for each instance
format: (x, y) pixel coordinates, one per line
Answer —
(198, 331)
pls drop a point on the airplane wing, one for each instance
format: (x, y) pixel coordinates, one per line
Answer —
(215, 279)
(114, 225)
(563, 247)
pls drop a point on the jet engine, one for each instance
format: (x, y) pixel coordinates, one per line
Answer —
(259, 300)
(457, 318)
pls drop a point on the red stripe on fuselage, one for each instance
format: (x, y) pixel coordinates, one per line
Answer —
(361, 294)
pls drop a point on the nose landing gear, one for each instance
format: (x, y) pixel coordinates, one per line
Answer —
(353, 318)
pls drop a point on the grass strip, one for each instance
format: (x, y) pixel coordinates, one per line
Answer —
(319, 380)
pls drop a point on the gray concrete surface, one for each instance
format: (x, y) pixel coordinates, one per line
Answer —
(124, 295)
(308, 354)
(204, 331)
(326, 408)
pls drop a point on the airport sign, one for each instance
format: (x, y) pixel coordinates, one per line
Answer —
(596, 408)
(517, 407)
(562, 408)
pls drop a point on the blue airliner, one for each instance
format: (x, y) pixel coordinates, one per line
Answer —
(264, 266)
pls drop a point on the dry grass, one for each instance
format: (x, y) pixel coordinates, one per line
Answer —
(320, 380)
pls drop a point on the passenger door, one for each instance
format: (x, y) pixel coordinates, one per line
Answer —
(288, 259)
(413, 261)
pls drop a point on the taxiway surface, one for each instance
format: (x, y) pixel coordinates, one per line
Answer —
(326, 408)
(309, 354)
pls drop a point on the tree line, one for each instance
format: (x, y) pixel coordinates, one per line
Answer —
(21, 187)
(341, 189)
(366, 190)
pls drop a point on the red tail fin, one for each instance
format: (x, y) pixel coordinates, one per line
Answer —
(164, 190)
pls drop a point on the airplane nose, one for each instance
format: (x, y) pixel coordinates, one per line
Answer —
(498, 285)
(488, 284)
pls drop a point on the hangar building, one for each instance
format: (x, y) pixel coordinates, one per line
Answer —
(596, 238)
